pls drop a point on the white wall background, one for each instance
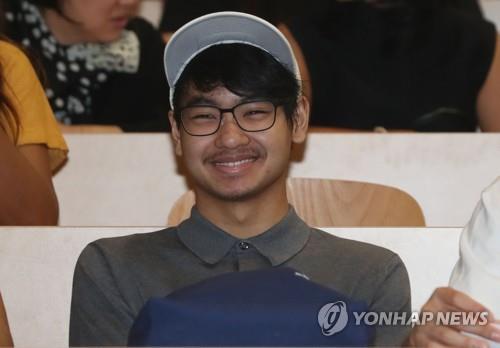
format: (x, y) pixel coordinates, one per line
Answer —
(152, 10)
(491, 10)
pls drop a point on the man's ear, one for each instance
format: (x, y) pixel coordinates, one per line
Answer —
(301, 120)
(176, 134)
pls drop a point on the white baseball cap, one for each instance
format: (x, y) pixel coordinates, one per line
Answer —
(224, 28)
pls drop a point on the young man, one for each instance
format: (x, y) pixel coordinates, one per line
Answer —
(237, 111)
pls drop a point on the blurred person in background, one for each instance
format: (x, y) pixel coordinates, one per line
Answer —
(31, 144)
(102, 64)
(425, 65)
(176, 13)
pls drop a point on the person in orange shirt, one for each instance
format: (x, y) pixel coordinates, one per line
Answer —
(31, 144)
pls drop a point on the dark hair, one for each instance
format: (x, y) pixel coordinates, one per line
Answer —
(244, 70)
(176, 13)
(53, 4)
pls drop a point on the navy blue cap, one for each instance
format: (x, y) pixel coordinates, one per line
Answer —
(271, 307)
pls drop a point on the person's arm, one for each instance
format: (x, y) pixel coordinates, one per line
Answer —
(488, 103)
(450, 300)
(5, 337)
(27, 193)
(100, 315)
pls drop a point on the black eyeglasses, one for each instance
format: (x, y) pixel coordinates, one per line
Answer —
(201, 120)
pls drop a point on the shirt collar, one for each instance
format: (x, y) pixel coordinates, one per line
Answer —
(210, 243)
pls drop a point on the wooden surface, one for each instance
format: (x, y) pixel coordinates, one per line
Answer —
(5, 337)
(330, 203)
(36, 270)
(181, 209)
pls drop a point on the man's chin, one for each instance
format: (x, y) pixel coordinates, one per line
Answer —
(236, 194)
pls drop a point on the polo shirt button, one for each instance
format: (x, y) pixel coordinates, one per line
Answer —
(243, 245)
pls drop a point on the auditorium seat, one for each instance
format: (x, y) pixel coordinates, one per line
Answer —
(5, 337)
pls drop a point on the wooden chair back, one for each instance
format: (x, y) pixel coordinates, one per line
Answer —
(5, 336)
(336, 203)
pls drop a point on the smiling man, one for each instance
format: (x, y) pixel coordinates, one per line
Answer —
(237, 112)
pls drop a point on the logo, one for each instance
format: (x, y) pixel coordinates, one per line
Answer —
(302, 275)
(332, 318)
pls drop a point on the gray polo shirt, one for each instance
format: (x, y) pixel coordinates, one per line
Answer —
(114, 277)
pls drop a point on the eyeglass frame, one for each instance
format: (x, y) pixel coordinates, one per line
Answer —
(230, 110)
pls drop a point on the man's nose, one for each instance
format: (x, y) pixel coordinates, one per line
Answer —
(230, 135)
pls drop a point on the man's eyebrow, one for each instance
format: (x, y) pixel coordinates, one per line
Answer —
(202, 100)
(199, 100)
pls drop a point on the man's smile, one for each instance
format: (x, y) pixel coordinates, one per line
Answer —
(234, 164)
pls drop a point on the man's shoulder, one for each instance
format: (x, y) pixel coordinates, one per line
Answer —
(335, 245)
(362, 270)
(353, 256)
(130, 246)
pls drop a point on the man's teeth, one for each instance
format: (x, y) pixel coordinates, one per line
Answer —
(233, 164)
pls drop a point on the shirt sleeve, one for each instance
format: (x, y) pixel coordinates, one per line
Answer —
(393, 296)
(100, 316)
